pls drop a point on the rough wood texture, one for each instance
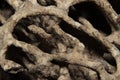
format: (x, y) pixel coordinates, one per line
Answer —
(57, 40)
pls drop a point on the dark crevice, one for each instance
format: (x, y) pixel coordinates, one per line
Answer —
(90, 43)
(1, 24)
(4, 4)
(46, 47)
(18, 34)
(51, 78)
(116, 5)
(19, 56)
(3, 74)
(117, 45)
(110, 59)
(46, 2)
(92, 13)
(5, 9)
(31, 37)
(28, 37)
(23, 75)
(22, 33)
(44, 44)
(60, 63)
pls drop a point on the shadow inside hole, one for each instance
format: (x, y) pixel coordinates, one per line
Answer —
(46, 2)
(35, 40)
(18, 34)
(3, 74)
(21, 31)
(116, 5)
(46, 47)
(19, 56)
(22, 75)
(4, 4)
(5, 9)
(43, 44)
(110, 59)
(90, 43)
(92, 13)
(1, 24)
(61, 63)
